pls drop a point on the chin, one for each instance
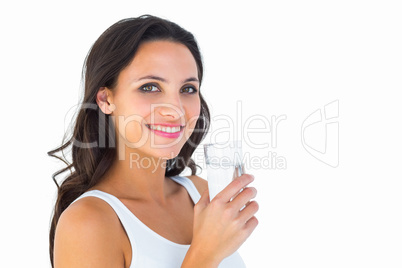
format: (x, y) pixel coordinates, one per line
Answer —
(165, 151)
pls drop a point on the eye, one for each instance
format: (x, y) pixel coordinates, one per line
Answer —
(189, 90)
(149, 88)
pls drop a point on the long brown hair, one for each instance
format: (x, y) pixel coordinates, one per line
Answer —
(109, 55)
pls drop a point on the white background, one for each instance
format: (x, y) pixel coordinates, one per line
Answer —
(278, 58)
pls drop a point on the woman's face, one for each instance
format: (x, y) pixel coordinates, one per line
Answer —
(157, 100)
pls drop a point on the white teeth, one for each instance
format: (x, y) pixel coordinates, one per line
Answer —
(165, 129)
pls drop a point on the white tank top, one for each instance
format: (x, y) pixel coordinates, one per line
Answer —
(149, 249)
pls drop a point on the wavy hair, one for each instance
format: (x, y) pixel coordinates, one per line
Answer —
(109, 55)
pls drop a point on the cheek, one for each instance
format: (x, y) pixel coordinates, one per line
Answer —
(193, 113)
(130, 116)
(133, 108)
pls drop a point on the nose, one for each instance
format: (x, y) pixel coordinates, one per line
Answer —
(171, 108)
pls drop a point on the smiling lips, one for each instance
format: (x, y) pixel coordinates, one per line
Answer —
(169, 131)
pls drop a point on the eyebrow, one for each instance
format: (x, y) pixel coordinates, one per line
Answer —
(154, 77)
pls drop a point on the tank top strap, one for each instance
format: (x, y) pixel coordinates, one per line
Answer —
(149, 249)
(123, 213)
(190, 187)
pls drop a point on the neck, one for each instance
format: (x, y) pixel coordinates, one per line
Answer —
(137, 176)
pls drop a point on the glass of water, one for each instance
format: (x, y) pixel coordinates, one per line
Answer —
(224, 164)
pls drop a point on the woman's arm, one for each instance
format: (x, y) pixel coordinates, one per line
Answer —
(220, 228)
(88, 234)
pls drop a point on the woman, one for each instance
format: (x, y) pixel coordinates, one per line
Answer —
(142, 117)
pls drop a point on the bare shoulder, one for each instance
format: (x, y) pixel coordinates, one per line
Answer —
(88, 234)
(199, 183)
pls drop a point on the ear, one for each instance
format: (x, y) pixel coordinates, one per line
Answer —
(104, 99)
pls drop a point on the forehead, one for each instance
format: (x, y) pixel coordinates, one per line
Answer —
(167, 59)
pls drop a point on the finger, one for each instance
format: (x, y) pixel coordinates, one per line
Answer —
(249, 211)
(243, 197)
(234, 187)
(204, 200)
(250, 225)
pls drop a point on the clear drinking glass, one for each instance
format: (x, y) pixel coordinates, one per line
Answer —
(224, 164)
